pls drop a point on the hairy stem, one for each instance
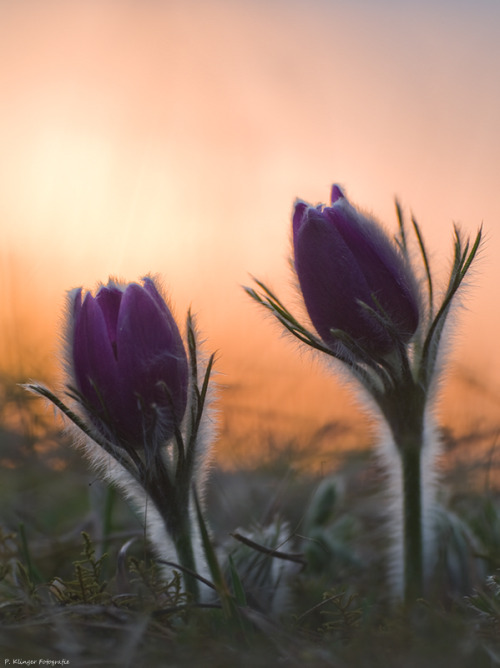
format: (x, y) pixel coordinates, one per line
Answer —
(173, 505)
(184, 547)
(412, 522)
(404, 410)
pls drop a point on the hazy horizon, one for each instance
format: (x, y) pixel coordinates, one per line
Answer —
(172, 138)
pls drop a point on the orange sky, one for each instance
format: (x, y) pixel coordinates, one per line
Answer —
(173, 137)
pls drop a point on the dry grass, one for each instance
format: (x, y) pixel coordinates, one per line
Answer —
(93, 603)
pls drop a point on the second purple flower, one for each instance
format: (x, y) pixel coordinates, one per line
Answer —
(343, 261)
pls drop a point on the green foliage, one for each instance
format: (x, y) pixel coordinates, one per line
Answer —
(483, 518)
(121, 610)
(343, 616)
(18, 592)
(8, 552)
(328, 531)
(485, 603)
(152, 590)
(138, 585)
(87, 585)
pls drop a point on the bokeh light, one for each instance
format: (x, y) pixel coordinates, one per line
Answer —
(172, 138)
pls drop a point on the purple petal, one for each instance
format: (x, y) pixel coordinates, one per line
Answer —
(75, 297)
(343, 258)
(93, 358)
(336, 193)
(383, 267)
(129, 363)
(151, 359)
(330, 279)
(152, 290)
(299, 212)
(109, 299)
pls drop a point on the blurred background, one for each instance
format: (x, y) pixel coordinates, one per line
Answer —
(172, 138)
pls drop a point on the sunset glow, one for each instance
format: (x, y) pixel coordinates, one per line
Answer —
(172, 138)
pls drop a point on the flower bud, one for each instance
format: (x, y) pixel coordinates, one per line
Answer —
(343, 258)
(128, 363)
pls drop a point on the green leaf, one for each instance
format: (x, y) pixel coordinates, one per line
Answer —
(239, 592)
(462, 261)
(228, 602)
(425, 259)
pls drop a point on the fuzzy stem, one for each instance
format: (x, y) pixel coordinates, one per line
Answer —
(412, 522)
(177, 522)
(172, 502)
(174, 510)
(182, 537)
(404, 409)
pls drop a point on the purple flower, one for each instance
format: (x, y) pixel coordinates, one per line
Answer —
(343, 258)
(128, 363)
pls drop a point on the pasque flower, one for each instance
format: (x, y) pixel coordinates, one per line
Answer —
(361, 291)
(129, 381)
(345, 263)
(128, 363)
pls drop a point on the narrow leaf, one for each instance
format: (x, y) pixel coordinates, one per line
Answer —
(427, 267)
(402, 231)
(239, 592)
